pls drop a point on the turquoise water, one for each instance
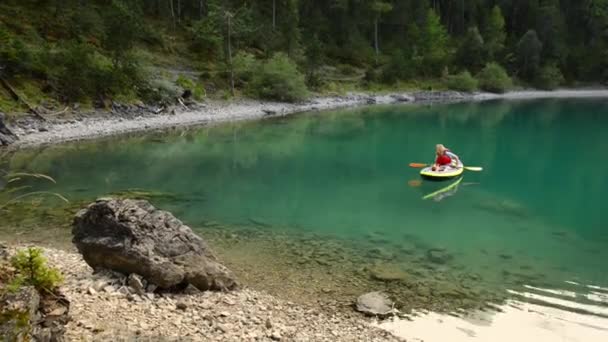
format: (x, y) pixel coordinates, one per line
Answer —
(539, 205)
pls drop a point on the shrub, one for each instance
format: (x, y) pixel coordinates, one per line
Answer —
(32, 270)
(549, 77)
(162, 91)
(198, 92)
(399, 67)
(245, 65)
(462, 82)
(278, 79)
(80, 72)
(494, 78)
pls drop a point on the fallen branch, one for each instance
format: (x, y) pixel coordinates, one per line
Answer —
(19, 98)
(179, 99)
(59, 112)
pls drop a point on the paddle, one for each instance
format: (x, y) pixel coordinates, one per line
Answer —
(469, 168)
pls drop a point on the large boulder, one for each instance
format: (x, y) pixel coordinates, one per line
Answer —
(132, 236)
(7, 137)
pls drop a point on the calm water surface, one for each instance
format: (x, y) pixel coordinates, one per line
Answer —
(539, 206)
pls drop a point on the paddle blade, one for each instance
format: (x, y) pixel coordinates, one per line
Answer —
(474, 168)
(417, 165)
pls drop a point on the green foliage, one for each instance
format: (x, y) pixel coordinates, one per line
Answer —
(550, 27)
(472, 52)
(462, 82)
(434, 45)
(278, 79)
(398, 68)
(494, 78)
(314, 60)
(198, 92)
(42, 41)
(80, 72)
(495, 33)
(32, 270)
(550, 77)
(528, 54)
(122, 22)
(380, 7)
(207, 37)
(245, 65)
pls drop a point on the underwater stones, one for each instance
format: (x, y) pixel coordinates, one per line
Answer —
(132, 236)
(438, 255)
(375, 303)
(504, 207)
(380, 253)
(388, 273)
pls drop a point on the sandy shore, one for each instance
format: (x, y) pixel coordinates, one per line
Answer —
(58, 130)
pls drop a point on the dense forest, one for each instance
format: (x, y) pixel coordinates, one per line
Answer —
(92, 51)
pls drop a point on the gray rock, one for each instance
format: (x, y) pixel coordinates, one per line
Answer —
(151, 288)
(25, 302)
(7, 137)
(124, 290)
(181, 305)
(109, 289)
(131, 236)
(402, 98)
(136, 283)
(375, 303)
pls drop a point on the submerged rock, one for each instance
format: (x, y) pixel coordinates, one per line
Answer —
(375, 303)
(438, 255)
(388, 273)
(132, 236)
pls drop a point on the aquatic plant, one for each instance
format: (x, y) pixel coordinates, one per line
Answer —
(10, 194)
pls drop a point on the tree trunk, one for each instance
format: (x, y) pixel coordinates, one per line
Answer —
(19, 98)
(230, 54)
(376, 38)
(274, 14)
(172, 12)
(179, 11)
(200, 9)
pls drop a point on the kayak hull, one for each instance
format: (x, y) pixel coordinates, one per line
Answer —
(447, 173)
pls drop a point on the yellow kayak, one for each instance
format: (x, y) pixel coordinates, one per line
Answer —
(443, 173)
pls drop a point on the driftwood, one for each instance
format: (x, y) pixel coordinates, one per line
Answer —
(179, 99)
(60, 112)
(19, 98)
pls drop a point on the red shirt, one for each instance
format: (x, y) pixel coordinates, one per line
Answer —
(443, 160)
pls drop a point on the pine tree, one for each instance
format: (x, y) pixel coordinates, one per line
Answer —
(528, 55)
(472, 51)
(434, 44)
(495, 34)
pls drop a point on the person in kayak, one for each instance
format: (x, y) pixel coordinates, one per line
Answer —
(445, 157)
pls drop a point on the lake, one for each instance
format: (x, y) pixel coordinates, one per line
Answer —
(323, 206)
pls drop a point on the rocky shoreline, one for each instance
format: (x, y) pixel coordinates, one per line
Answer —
(103, 309)
(74, 124)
